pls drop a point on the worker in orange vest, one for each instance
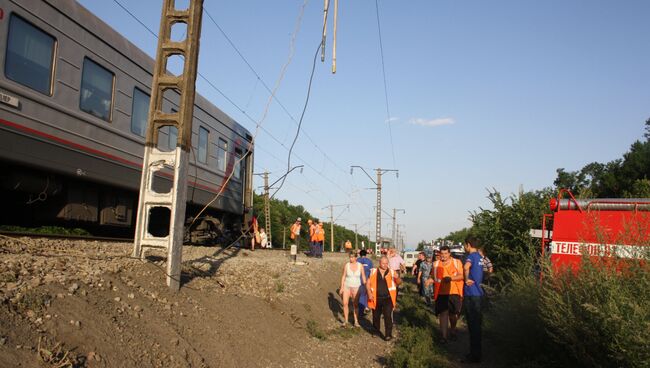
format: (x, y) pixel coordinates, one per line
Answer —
(320, 236)
(382, 296)
(295, 231)
(447, 275)
(348, 245)
(312, 237)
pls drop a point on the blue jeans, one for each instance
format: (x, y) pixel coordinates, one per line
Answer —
(474, 320)
(363, 299)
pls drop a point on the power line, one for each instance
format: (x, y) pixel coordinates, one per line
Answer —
(273, 95)
(302, 116)
(388, 115)
(233, 103)
(383, 72)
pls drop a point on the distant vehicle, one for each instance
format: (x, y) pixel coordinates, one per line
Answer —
(410, 258)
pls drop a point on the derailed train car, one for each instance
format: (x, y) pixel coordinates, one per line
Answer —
(74, 98)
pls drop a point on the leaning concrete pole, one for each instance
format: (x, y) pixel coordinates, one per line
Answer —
(169, 207)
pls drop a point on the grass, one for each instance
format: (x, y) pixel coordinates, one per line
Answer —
(279, 287)
(56, 230)
(56, 355)
(33, 300)
(315, 331)
(415, 347)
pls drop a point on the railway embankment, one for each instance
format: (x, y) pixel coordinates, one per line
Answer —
(88, 304)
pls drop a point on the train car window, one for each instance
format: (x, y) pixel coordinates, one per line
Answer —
(139, 112)
(237, 168)
(203, 145)
(222, 154)
(96, 90)
(30, 56)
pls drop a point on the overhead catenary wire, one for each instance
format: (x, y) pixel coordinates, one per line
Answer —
(274, 96)
(386, 99)
(302, 116)
(255, 122)
(383, 73)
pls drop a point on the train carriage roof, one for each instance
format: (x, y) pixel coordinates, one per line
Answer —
(94, 25)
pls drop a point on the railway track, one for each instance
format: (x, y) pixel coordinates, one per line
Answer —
(64, 236)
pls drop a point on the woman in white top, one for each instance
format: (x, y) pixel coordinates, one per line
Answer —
(264, 240)
(351, 280)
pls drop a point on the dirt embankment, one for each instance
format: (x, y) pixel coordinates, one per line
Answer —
(65, 303)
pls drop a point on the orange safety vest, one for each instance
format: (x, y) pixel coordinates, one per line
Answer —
(295, 231)
(320, 234)
(438, 273)
(392, 288)
(313, 228)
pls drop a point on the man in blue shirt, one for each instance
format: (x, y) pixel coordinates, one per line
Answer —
(363, 295)
(473, 270)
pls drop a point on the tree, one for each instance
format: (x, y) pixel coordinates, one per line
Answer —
(625, 177)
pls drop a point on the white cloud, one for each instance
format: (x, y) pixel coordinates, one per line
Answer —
(432, 122)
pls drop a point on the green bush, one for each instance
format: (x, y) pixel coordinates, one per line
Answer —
(594, 317)
(598, 316)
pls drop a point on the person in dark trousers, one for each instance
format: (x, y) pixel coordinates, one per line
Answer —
(416, 271)
(382, 296)
(363, 294)
(473, 272)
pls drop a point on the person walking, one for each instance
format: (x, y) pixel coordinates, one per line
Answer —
(423, 276)
(488, 268)
(320, 239)
(448, 292)
(295, 232)
(352, 278)
(382, 296)
(416, 271)
(312, 238)
(363, 293)
(396, 262)
(473, 274)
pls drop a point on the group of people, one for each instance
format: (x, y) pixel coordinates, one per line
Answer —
(446, 283)
(371, 288)
(316, 236)
(260, 238)
(449, 284)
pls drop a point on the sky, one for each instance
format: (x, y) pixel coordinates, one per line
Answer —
(481, 94)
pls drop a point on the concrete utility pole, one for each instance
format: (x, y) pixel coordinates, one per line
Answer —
(395, 210)
(332, 219)
(170, 207)
(267, 208)
(377, 182)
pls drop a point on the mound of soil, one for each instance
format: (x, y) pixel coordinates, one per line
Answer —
(88, 304)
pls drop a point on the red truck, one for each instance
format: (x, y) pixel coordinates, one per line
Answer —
(606, 229)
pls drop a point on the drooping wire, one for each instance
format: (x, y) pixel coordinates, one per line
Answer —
(256, 123)
(302, 116)
(275, 97)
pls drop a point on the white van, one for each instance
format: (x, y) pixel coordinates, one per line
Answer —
(410, 258)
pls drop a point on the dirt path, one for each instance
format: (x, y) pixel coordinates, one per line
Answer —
(236, 309)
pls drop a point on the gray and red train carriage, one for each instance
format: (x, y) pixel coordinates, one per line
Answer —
(74, 97)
